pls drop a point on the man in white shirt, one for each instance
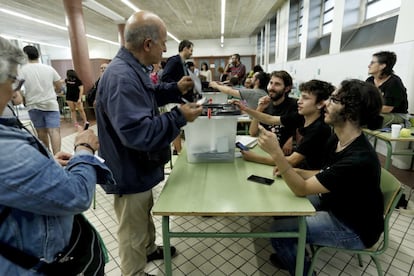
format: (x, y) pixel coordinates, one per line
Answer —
(41, 82)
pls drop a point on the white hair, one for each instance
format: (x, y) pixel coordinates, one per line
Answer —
(10, 56)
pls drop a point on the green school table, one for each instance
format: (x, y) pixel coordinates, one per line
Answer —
(386, 137)
(222, 189)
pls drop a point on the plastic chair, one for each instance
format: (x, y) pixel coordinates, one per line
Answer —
(391, 190)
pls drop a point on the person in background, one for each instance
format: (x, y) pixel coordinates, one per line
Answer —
(222, 75)
(39, 198)
(256, 68)
(395, 108)
(346, 191)
(74, 94)
(235, 68)
(277, 103)
(154, 73)
(174, 70)
(308, 120)
(161, 69)
(135, 138)
(205, 73)
(91, 95)
(42, 82)
(251, 96)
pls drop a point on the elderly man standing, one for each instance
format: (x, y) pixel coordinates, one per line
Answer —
(135, 138)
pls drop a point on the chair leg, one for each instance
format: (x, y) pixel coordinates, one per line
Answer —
(316, 250)
(360, 260)
(377, 264)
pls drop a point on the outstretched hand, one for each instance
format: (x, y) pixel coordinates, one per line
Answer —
(268, 140)
(185, 84)
(191, 111)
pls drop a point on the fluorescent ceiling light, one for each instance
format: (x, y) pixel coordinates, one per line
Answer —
(32, 41)
(52, 25)
(101, 9)
(223, 17)
(102, 39)
(33, 19)
(136, 9)
(132, 6)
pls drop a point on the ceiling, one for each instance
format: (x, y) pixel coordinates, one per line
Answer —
(185, 19)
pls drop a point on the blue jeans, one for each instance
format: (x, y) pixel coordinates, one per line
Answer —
(321, 229)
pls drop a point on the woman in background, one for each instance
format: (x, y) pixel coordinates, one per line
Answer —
(74, 93)
(205, 73)
(394, 93)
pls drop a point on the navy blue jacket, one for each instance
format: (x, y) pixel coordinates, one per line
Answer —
(130, 124)
(173, 72)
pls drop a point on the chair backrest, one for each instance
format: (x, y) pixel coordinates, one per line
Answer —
(390, 187)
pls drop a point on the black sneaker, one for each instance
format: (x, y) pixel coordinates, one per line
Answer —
(274, 259)
(159, 254)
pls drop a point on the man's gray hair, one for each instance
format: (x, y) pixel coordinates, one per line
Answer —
(136, 35)
(10, 56)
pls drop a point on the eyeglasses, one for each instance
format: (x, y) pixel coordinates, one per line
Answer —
(17, 82)
(334, 100)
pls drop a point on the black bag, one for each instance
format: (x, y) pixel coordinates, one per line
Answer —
(91, 96)
(85, 255)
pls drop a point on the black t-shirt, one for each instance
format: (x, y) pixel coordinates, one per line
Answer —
(288, 106)
(313, 142)
(72, 89)
(394, 93)
(353, 178)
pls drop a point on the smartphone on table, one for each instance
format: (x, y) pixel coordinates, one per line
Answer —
(260, 179)
(241, 146)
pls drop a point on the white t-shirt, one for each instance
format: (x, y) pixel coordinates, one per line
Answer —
(39, 90)
(206, 74)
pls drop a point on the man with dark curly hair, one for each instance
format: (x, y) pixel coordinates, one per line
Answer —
(350, 170)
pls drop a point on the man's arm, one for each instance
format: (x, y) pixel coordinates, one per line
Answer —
(58, 85)
(258, 114)
(225, 89)
(17, 98)
(387, 109)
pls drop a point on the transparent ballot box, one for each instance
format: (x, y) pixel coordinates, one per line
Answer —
(212, 136)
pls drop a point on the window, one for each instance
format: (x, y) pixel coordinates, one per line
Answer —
(363, 18)
(375, 8)
(295, 29)
(272, 40)
(319, 27)
(327, 16)
(259, 47)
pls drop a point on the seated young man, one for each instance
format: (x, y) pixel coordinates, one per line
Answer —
(345, 191)
(277, 103)
(309, 121)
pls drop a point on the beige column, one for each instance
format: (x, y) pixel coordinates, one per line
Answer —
(78, 42)
(121, 38)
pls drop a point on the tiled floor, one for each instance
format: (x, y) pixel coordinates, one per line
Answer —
(245, 256)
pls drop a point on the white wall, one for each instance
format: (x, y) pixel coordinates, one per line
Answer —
(211, 47)
(338, 66)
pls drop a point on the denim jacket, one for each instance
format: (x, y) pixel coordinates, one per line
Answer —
(42, 195)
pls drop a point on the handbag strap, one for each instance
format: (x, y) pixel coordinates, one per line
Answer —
(15, 255)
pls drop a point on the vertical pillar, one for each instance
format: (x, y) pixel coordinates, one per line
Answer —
(121, 38)
(78, 42)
